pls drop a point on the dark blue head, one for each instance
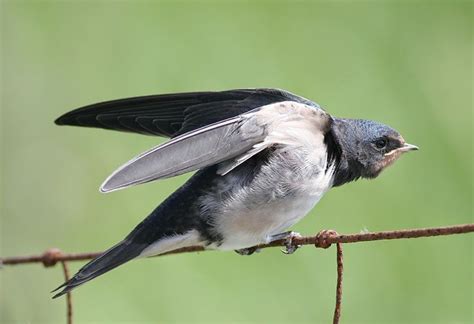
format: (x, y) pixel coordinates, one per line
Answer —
(368, 147)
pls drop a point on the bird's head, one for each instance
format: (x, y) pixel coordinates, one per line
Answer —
(369, 146)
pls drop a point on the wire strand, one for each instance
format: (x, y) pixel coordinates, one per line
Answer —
(324, 239)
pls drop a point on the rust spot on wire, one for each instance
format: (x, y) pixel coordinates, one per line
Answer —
(322, 239)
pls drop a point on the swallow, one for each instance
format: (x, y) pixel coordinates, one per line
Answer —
(264, 158)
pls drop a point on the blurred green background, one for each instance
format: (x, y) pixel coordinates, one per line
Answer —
(407, 64)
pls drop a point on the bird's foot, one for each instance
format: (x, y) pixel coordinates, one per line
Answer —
(291, 248)
(248, 251)
(289, 236)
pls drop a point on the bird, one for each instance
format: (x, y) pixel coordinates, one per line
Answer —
(263, 158)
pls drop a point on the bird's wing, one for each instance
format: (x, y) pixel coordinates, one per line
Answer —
(233, 140)
(170, 115)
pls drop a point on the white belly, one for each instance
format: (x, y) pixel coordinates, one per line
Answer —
(285, 188)
(248, 228)
(248, 222)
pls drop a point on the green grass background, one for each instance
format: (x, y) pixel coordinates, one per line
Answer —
(405, 63)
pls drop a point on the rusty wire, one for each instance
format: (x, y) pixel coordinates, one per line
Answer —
(49, 258)
(68, 294)
(340, 270)
(323, 239)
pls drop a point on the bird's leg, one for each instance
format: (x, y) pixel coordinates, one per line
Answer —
(287, 236)
(248, 251)
(290, 248)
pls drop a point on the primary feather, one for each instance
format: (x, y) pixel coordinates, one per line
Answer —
(234, 140)
(170, 115)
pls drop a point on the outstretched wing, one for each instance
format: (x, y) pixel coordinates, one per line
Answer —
(170, 115)
(233, 140)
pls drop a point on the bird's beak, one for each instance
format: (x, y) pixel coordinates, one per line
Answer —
(408, 147)
(405, 148)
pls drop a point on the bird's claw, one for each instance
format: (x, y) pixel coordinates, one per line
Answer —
(291, 248)
(248, 251)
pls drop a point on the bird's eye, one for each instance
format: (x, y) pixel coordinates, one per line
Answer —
(381, 143)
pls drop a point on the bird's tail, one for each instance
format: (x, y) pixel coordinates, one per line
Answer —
(110, 259)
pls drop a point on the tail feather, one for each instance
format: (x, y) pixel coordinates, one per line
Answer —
(110, 259)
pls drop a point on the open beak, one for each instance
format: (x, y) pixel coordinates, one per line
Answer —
(408, 147)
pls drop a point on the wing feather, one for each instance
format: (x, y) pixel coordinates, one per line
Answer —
(229, 143)
(188, 152)
(171, 115)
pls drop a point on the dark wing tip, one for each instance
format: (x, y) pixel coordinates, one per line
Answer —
(78, 117)
(70, 118)
(62, 120)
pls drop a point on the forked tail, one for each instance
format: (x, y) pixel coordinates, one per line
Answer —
(110, 259)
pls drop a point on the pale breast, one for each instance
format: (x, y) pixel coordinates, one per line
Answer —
(265, 196)
(283, 192)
